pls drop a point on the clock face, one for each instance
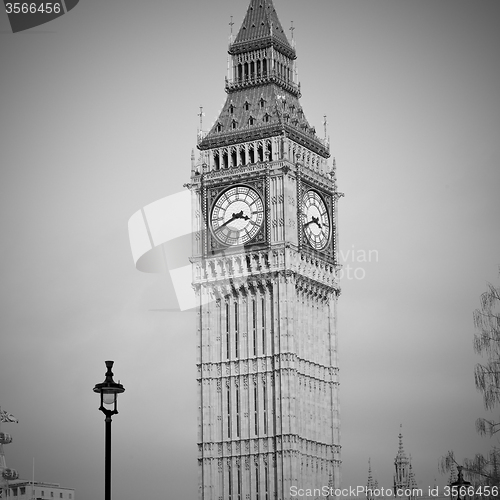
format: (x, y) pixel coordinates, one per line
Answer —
(316, 222)
(237, 215)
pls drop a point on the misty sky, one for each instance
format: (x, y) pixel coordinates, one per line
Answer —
(98, 117)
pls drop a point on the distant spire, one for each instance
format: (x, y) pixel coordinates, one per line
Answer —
(404, 478)
(370, 485)
(401, 451)
(370, 477)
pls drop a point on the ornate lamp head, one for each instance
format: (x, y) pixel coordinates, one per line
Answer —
(109, 391)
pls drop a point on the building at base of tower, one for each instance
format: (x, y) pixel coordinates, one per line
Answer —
(39, 490)
(264, 200)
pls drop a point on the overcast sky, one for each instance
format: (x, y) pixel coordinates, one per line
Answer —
(98, 117)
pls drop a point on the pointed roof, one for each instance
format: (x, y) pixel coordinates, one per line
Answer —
(370, 485)
(404, 477)
(261, 26)
(401, 457)
(412, 482)
(263, 100)
(261, 21)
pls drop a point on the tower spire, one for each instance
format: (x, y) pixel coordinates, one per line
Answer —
(260, 24)
(262, 72)
(404, 478)
(401, 451)
(369, 484)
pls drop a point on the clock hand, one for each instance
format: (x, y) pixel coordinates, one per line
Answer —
(315, 220)
(226, 223)
(240, 215)
(235, 216)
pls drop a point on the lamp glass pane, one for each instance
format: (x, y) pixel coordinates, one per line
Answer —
(108, 398)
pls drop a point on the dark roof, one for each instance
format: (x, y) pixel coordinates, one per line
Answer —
(261, 23)
(258, 112)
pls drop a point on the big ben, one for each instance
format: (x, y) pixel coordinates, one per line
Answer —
(265, 276)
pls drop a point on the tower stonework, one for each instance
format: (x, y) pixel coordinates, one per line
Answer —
(265, 274)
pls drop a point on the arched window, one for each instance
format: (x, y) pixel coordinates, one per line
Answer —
(237, 412)
(251, 154)
(264, 403)
(269, 151)
(228, 392)
(257, 482)
(260, 152)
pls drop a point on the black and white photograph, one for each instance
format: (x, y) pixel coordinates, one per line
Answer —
(249, 249)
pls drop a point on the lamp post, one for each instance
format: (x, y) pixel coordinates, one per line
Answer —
(109, 391)
(459, 486)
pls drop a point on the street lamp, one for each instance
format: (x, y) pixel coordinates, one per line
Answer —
(459, 486)
(109, 391)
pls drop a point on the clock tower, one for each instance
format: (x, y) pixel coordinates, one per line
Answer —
(265, 274)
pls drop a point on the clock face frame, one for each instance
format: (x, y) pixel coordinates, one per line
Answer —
(316, 220)
(237, 215)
